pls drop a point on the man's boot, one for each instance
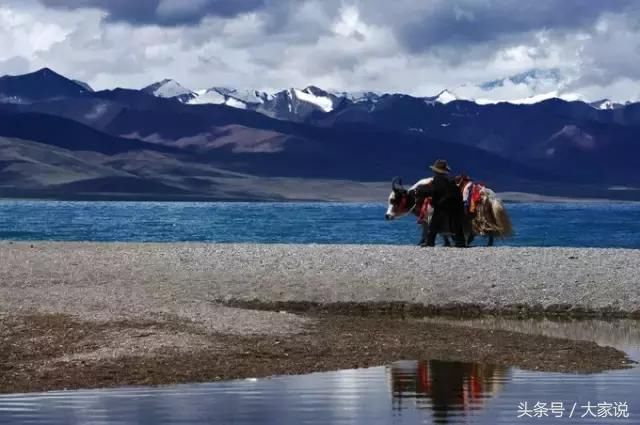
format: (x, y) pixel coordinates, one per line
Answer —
(431, 240)
(460, 239)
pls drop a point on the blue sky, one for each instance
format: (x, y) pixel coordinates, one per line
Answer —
(571, 47)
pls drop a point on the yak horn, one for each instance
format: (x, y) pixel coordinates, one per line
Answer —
(396, 182)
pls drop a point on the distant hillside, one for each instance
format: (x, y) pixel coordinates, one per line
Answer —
(152, 142)
(40, 85)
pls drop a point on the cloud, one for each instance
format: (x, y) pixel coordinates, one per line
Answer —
(161, 12)
(465, 23)
(15, 65)
(416, 47)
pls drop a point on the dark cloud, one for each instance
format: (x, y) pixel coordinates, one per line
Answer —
(162, 12)
(465, 23)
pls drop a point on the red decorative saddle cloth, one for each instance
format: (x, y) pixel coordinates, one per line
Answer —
(423, 210)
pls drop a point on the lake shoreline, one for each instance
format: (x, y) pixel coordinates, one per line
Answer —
(380, 195)
(78, 315)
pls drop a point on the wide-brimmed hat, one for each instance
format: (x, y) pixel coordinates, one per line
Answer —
(441, 166)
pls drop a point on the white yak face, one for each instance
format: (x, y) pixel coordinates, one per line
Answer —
(390, 214)
(396, 207)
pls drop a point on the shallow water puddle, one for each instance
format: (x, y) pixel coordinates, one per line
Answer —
(405, 392)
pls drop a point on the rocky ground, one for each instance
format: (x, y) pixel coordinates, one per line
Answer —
(80, 315)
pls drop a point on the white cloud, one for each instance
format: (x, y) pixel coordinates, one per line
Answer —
(413, 47)
(23, 33)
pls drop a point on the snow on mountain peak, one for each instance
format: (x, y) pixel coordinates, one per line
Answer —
(445, 96)
(168, 89)
(358, 96)
(210, 96)
(244, 95)
(568, 97)
(236, 98)
(605, 105)
(323, 102)
(316, 91)
(249, 98)
(326, 101)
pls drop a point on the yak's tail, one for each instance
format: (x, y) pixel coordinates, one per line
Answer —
(504, 227)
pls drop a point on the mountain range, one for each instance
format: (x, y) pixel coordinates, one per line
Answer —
(60, 138)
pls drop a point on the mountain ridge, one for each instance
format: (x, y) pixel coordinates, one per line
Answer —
(38, 85)
(161, 138)
(326, 100)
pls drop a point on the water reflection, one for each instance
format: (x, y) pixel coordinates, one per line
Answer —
(405, 392)
(448, 389)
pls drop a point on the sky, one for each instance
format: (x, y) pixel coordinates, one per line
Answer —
(480, 49)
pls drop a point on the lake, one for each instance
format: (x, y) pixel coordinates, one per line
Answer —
(405, 392)
(598, 224)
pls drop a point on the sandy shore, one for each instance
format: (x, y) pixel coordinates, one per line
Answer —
(87, 314)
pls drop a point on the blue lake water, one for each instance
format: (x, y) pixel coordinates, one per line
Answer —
(561, 224)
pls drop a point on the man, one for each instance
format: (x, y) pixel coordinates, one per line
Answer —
(448, 208)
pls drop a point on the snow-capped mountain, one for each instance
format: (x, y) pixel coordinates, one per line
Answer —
(243, 99)
(325, 101)
(298, 104)
(569, 97)
(291, 104)
(358, 96)
(170, 89)
(532, 100)
(245, 96)
(606, 104)
(444, 97)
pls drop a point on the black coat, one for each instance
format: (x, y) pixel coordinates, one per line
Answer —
(448, 206)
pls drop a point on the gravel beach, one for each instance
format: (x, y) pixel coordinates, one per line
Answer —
(103, 314)
(135, 280)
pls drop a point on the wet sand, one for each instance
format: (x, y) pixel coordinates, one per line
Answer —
(85, 315)
(52, 352)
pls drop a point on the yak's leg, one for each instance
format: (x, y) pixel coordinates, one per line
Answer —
(425, 232)
(469, 228)
(470, 238)
(447, 241)
(490, 242)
